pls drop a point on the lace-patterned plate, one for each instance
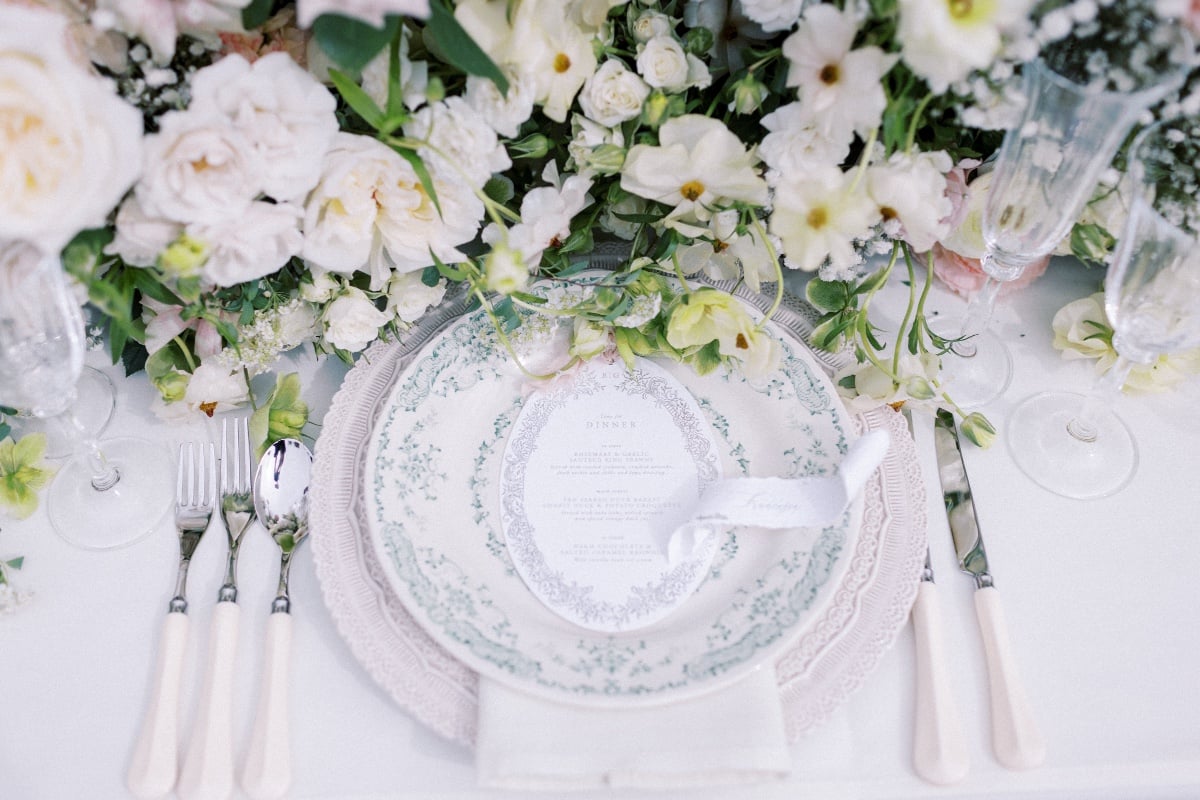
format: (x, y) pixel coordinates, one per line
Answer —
(850, 630)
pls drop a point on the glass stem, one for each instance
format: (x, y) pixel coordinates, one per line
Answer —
(1084, 425)
(104, 475)
(979, 314)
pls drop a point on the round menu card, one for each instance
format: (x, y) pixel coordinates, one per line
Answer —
(599, 469)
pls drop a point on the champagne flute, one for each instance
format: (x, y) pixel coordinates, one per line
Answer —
(1076, 446)
(1046, 170)
(101, 498)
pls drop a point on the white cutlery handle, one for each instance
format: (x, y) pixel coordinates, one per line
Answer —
(268, 770)
(208, 766)
(155, 761)
(1016, 738)
(939, 749)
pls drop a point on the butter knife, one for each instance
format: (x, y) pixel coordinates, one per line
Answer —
(1016, 738)
(939, 747)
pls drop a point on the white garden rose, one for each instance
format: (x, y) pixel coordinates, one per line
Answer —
(199, 169)
(664, 65)
(352, 321)
(286, 116)
(773, 15)
(320, 287)
(140, 238)
(370, 213)
(613, 95)
(69, 147)
(460, 141)
(260, 241)
(409, 297)
(504, 112)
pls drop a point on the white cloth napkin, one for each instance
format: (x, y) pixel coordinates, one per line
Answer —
(731, 735)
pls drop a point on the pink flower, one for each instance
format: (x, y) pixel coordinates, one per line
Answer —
(1191, 17)
(964, 276)
(164, 323)
(958, 191)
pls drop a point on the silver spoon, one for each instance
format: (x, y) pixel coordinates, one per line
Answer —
(281, 499)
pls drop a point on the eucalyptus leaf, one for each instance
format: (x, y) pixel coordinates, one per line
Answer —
(256, 13)
(352, 43)
(459, 48)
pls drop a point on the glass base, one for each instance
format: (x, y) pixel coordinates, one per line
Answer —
(1040, 444)
(976, 380)
(122, 515)
(95, 400)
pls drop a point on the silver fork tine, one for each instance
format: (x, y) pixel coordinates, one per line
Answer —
(246, 454)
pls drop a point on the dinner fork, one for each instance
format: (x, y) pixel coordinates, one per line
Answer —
(153, 767)
(208, 766)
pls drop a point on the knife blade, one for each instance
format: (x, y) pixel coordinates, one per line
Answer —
(939, 748)
(1016, 738)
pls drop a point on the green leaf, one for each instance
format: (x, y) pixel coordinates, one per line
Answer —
(133, 357)
(357, 99)
(828, 295)
(5, 430)
(16, 563)
(459, 48)
(146, 283)
(352, 43)
(707, 358)
(872, 282)
(418, 165)
(255, 14)
(430, 276)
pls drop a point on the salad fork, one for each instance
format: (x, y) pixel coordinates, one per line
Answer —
(208, 766)
(153, 767)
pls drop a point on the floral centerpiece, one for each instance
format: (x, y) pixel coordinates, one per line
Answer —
(230, 179)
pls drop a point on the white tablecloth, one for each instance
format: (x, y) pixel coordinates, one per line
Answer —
(1100, 597)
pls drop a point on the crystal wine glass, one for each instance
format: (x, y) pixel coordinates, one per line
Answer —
(1046, 170)
(1076, 446)
(101, 498)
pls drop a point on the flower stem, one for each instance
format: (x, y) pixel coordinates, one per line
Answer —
(775, 262)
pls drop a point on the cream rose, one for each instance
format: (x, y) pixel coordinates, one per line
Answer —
(664, 65)
(69, 147)
(613, 95)
(352, 321)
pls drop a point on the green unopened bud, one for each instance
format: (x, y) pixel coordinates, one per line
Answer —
(748, 95)
(698, 40)
(535, 145)
(435, 90)
(978, 429)
(607, 159)
(184, 256)
(505, 270)
(655, 109)
(172, 386)
(918, 388)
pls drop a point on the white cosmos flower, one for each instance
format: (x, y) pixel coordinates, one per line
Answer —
(773, 15)
(819, 215)
(613, 95)
(460, 141)
(284, 113)
(546, 214)
(697, 165)
(944, 41)
(256, 243)
(725, 254)
(504, 112)
(843, 86)
(370, 213)
(198, 168)
(352, 321)
(69, 147)
(912, 190)
(796, 142)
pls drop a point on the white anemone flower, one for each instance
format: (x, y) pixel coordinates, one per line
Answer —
(819, 215)
(942, 41)
(911, 190)
(698, 165)
(546, 214)
(843, 86)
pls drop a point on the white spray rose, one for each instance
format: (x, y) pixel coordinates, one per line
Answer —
(286, 116)
(352, 321)
(613, 95)
(773, 15)
(198, 169)
(255, 244)
(664, 65)
(69, 147)
(409, 298)
(651, 24)
(320, 286)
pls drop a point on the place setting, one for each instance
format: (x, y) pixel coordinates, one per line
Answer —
(474, 398)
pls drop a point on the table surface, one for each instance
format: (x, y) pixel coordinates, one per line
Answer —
(1099, 597)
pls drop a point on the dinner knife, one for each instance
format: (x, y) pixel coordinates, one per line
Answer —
(939, 747)
(1016, 738)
